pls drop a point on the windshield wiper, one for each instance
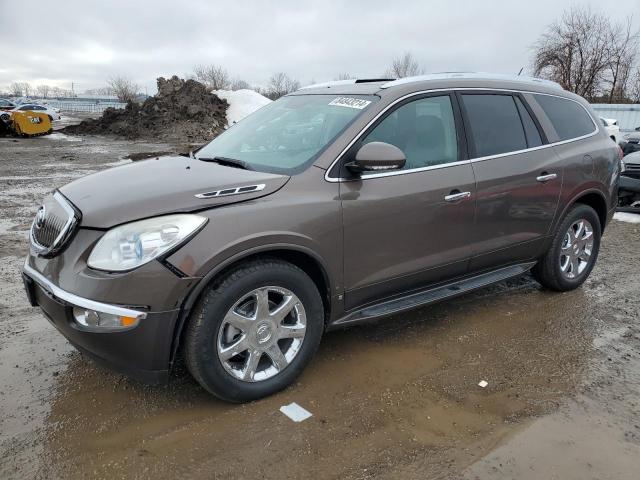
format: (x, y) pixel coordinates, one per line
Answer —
(229, 162)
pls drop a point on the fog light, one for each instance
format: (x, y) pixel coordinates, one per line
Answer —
(91, 318)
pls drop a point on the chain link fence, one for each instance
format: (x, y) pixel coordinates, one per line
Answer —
(84, 105)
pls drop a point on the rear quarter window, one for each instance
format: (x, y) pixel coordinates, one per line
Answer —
(569, 119)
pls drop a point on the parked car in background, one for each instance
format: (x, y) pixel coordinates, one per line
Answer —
(632, 142)
(6, 104)
(336, 204)
(22, 100)
(612, 128)
(629, 187)
(631, 165)
(54, 113)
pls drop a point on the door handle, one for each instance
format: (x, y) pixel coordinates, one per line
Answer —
(454, 197)
(545, 177)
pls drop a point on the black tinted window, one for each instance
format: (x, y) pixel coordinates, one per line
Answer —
(569, 118)
(424, 130)
(495, 124)
(530, 129)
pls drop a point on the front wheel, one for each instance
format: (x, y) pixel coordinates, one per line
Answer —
(254, 331)
(573, 251)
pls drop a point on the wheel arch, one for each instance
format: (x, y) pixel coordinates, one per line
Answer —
(305, 259)
(595, 200)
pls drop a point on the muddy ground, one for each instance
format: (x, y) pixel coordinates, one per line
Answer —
(395, 399)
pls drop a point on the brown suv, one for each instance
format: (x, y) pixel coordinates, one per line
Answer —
(339, 203)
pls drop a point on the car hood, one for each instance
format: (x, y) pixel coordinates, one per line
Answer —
(160, 186)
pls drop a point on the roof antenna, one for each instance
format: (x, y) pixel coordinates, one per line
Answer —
(520, 71)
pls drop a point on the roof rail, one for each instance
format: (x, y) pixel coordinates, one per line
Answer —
(349, 81)
(330, 84)
(471, 75)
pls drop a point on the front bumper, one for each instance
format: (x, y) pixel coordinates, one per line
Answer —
(142, 352)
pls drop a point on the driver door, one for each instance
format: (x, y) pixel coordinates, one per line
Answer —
(409, 228)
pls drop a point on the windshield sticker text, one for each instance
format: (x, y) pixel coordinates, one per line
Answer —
(350, 102)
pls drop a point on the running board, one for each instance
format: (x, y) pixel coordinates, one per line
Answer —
(433, 295)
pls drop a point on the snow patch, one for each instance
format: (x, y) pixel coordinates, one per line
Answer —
(122, 161)
(62, 136)
(241, 103)
(627, 217)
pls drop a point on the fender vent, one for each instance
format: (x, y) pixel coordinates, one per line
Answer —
(231, 191)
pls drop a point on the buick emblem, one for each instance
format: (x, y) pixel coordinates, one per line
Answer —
(263, 334)
(40, 216)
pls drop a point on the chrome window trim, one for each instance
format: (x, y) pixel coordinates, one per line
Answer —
(79, 301)
(460, 162)
(71, 219)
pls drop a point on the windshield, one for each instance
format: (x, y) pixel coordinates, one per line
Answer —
(288, 134)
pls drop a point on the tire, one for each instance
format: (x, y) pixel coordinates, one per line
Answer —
(558, 269)
(228, 330)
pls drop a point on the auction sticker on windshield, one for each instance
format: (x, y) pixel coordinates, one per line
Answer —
(350, 102)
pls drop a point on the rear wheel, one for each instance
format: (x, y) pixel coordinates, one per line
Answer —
(254, 331)
(573, 251)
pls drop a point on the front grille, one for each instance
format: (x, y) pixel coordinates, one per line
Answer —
(633, 166)
(53, 226)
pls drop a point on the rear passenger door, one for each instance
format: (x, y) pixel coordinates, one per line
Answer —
(518, 179)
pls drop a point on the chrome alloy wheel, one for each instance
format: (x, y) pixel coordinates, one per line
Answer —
(576, 250)
(261, 334)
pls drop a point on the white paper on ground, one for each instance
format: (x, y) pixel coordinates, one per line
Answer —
(483, 383)
(295, 412)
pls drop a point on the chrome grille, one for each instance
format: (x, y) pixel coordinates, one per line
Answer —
(53, 225)
(633, 166)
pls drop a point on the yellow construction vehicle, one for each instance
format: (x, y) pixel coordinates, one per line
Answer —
(25, 123)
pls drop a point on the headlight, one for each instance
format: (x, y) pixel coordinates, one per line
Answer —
(623, 167)
(134, 244)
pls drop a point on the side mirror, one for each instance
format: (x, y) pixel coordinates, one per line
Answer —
(377, 157)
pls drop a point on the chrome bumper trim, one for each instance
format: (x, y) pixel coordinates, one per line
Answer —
(80, 301)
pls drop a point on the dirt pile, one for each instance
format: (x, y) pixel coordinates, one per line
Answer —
(182, 109)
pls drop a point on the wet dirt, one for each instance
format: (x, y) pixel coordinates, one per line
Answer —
(394, 399)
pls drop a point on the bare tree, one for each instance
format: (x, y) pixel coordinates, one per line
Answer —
(213, 76)
(43, 90)
(634, 89)
(345, 76)
(575, 51)
(623, 52)
(239, 84)
(404, 66)
(124, 88)
(27, 90)
(280, 84)
(16, 89)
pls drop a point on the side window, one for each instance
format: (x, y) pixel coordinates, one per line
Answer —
(530, 129)
(495, 124)
(569, 118)
(424, 130)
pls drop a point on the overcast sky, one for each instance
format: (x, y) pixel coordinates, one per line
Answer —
(85, 42)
